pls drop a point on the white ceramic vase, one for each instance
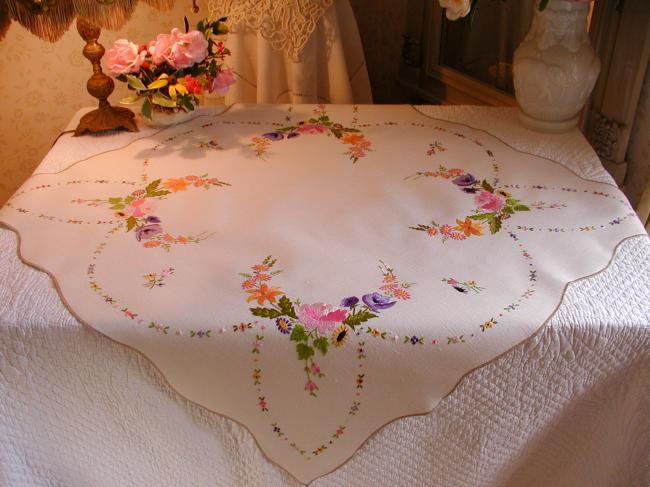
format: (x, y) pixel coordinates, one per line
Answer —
(161, 118)
(555, 67)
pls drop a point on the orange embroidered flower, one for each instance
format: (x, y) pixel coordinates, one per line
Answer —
(179, 184)
(263, 293)
(151, 243)
(249, 283)
(432, 231)
(402, 294)
(168, 237)
(353, 139)
(260, 268)
(469, 228)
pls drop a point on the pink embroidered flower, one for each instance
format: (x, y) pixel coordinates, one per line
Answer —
(179, 50)
(124, 57)
(322, 317)
(311, 128)
(221, 83)
(310, 386)
(488, 201)
(138, 208)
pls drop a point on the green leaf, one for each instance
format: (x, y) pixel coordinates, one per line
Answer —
(186, 102)
(187, 24)
(130, 100)
(482, 216)
(152, 186)
(159, 83)
(508, 210)
(521, 208)
(495, 225)
(304, 351)
(115, 201)
(321, 344)
(135, 83)
(512, 202)
(543, 4)
(266, 312)
(298, 334)
(146, 108)
(360, 317)
(287, 307)
(487, 187)
(162, 100)
(130, 223)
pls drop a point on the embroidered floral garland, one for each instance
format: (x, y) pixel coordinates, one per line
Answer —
(316, 327)
(318, 125)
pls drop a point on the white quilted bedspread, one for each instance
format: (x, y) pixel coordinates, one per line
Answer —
(569, 407)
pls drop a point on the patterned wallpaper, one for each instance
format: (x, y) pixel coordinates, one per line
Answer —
(44, 84)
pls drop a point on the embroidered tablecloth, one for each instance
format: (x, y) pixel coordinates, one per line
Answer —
(316, 272)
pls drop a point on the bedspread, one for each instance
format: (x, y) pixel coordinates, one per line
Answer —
(605, 320)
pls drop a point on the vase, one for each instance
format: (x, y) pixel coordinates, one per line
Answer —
(555, 67)
(167, 118)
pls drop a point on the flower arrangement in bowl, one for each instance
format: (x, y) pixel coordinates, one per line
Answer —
(171, 73)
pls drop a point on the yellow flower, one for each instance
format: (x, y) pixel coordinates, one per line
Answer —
(340, 336)
(178, 88)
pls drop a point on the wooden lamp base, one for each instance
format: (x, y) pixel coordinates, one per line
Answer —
(106, 117)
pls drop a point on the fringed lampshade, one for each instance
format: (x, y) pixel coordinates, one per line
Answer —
(50, 19)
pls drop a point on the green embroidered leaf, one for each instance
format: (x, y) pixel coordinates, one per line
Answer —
(287, 307)
(495, 225)
(512, 201)
(298, 334)
(521, 208)
(337, 133)
(349, 129)
(487, 187)
(266, 312)
(115, 201)
(508, 210)
(130, 223)
(152, 186)
(482, 216)
(304, 351)
(360, 317)
(321, 344)
(117, 207)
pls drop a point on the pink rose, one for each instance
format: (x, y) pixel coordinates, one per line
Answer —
(311, 128)
(124, 57)
(179, 50)
(221, 83)
(319, 316)
(488, 201)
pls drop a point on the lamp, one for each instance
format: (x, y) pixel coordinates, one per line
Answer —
(50, 19)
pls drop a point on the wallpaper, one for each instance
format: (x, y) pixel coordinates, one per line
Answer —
(44, 84)
(638, 153)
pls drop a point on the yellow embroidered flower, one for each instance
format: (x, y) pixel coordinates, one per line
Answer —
(340, 336)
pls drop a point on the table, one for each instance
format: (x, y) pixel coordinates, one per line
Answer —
(514, 421)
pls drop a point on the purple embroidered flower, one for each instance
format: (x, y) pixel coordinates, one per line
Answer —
(153, 219)
(460, 289)
(377, 302)
(274, 136)
(464, 180)
(349, 302)
(414, 340)
(469, 190)
(284, 325)
(292, 135)
(147, 231)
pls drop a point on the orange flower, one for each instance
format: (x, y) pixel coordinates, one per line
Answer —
(151, 243)
(402, 294)
(168, 238)
(469, 228)
(432, 231)
(175, 185)
(263, 293)
(352, 139)
(260, 268)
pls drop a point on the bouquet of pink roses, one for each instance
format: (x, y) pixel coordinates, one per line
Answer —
(172, 71)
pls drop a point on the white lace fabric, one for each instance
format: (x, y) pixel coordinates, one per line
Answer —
(286, 24)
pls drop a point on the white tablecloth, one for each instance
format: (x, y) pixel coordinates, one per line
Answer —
(568, 407)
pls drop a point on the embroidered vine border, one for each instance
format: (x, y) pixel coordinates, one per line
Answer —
(320, 328)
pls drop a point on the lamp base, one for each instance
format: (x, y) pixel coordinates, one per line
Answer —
(106, 118)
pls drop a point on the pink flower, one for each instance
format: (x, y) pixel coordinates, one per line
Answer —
(311, 128)
(124, 57)
(488, 201)
(322, 317)
(221, 83)
(179, 50)
(138, 208)
(310, 386)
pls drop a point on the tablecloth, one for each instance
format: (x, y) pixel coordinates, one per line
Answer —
(636, 313)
